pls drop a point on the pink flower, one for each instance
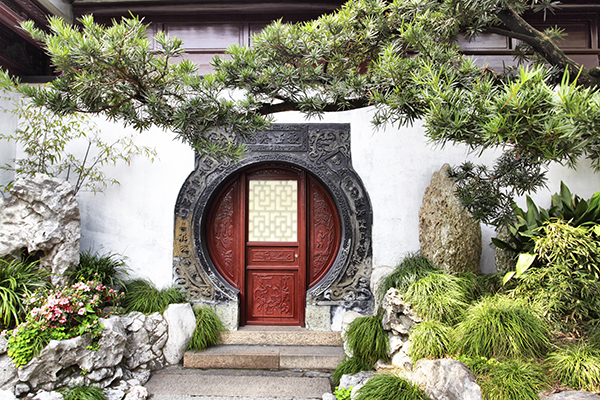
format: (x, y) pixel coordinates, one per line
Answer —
(81, 311)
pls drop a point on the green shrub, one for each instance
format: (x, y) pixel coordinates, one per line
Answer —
(439, 297)
(84, 393)
(17, 278)
(577, 366)
(57, 313)
(499, 327)
(367, 340)
(565, 206)
(412, 268)
(568, 298)
(429, 339)
(390, 387)
(343, 393)
(563, 244)
(349, 366)
(143, 296)
(512, 380)
(208, 329)
(110, 269)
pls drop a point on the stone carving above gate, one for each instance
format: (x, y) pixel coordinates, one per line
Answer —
(323, 150)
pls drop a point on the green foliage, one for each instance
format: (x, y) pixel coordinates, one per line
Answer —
(398, 56)
(59, 313)
(430, 339)
(143, 296)
(47, 141)
(349, 366)
(568, 298)
(367, 340)
(577, 366)
(512, 380)
(439, 296)
(17, 278)
(208, 329)
(489, 193)
(412, 268)
(564, 244)
(110, 269)
(342, 393)
(565, 207)
(390, 387)
(83, 393)
(499, 327)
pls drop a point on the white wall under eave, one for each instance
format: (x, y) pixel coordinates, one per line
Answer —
(396, 165)
(135, 218)
(8, 150)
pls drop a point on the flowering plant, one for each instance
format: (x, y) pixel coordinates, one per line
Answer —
(60, 313)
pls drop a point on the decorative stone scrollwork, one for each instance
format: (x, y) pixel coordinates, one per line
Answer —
(323, 150)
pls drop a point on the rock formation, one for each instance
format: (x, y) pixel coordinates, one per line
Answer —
(41, 216)
(447, 233)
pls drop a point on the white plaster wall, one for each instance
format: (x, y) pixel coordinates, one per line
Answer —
(135, 218)
(8, 150)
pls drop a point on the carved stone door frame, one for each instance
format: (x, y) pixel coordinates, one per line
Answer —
(323, 151)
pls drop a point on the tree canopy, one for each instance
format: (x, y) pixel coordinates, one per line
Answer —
(399, 57)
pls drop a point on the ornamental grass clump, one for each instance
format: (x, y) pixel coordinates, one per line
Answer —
(501, 327)
(512, 380)
(366, 339)
(208, 329)
(59, 313)
(17, 279)
(83, 393)
(390, 387)
(349, 366)
(429, 339)
(577, 366)
(143, 296)
(439, 296)
(412, 268)
(110, 269)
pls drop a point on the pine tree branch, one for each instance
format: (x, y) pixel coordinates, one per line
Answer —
(542, 44)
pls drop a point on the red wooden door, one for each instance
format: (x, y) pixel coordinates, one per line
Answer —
(272, 233)
(275, 269)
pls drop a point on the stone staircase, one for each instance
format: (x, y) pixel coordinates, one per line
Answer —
(271, 347)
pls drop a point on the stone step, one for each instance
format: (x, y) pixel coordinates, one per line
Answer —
(177, 383)
(265, 357)
(281, 336)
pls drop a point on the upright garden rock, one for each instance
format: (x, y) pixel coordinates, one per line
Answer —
(182, 323)
(41, 215)
(398, 315)
(446, 379)
(447, 233)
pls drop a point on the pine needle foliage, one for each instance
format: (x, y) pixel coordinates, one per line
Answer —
(349, 366)
(84, 393)
(390, 387)
(208, 329)
(367, 339)
(430, 339)
(513, 380)
(440, 297)
(412, 268)
(501, 327)
(109, 268)
(143, 296)
(577, 366)
(17, 277)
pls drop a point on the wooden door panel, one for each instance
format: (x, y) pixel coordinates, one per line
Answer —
(266, 255)
(272, 297)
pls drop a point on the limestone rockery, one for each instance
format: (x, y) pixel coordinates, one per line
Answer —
(130, 348)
